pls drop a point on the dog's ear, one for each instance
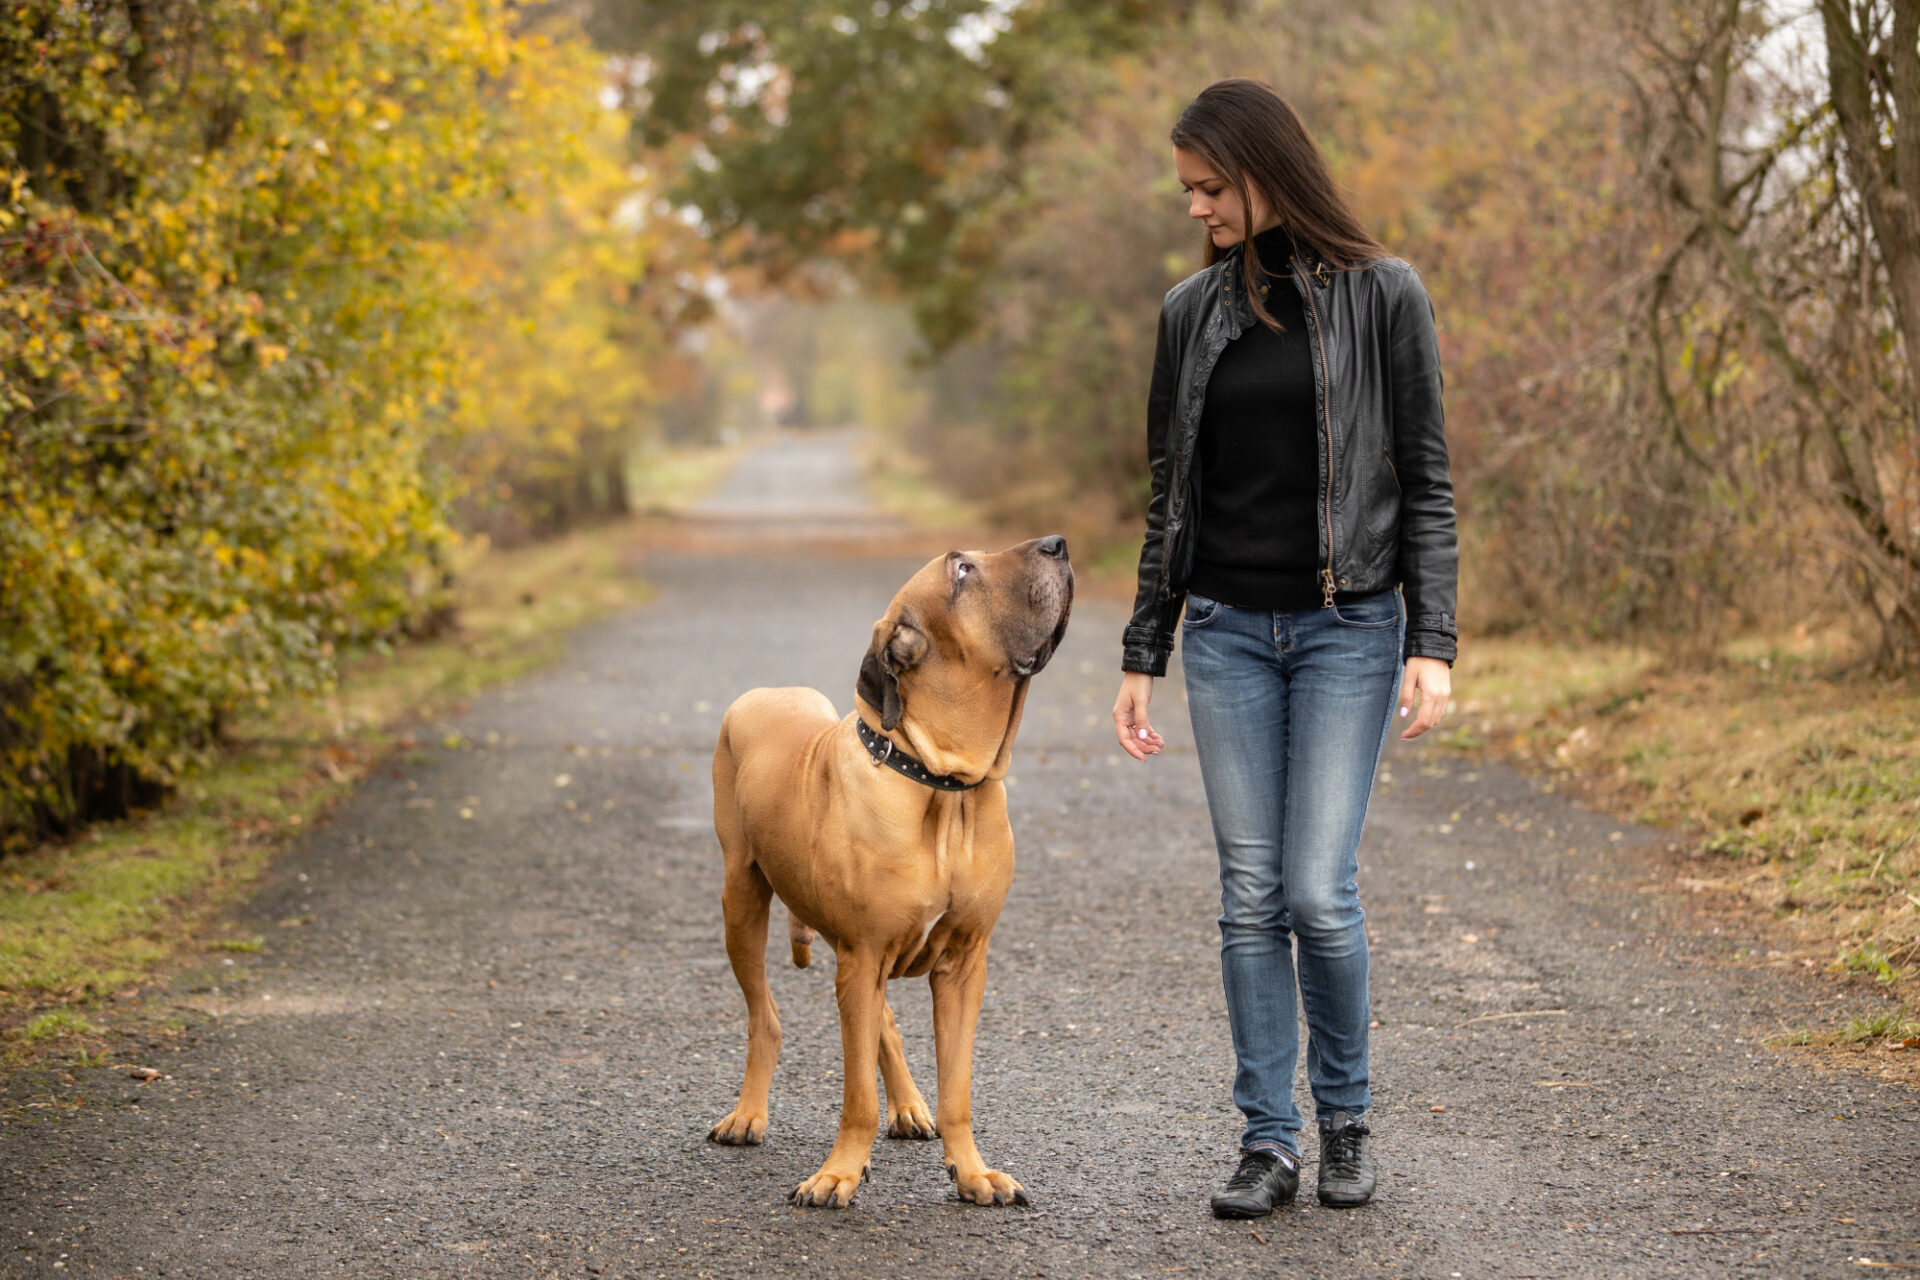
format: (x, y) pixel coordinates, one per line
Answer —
(896, 646)
(877, 686)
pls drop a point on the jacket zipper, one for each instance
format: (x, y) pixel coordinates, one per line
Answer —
(1326, 406)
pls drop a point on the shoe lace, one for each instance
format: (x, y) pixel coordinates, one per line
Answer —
(1254, 1166)
(1341, 1150)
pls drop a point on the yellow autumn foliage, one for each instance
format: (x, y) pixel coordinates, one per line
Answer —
(561, 356)
(252, 327)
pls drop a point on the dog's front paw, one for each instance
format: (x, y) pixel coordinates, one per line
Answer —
(911, 1120)
(828, 1189)
(739, 1129)
(988, 1186)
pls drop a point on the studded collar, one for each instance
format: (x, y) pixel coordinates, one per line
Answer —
(883, 751)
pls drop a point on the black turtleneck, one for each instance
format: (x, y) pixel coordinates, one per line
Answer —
(1258, 458)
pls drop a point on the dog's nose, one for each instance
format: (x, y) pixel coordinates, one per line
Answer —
(1055, 546)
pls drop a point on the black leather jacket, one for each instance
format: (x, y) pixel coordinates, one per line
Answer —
(1386, 500)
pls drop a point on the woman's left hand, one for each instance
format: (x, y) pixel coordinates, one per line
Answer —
(1429, 682)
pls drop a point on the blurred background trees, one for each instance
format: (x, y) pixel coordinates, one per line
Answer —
(298, 294)
(1782, 324)
(1672, 246)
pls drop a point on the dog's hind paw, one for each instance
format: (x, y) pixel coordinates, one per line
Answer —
(828, 1190)
(912, 1121)
(739, 1130)
(989, 1186)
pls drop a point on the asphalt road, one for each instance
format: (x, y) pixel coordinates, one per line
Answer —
(498, 1045)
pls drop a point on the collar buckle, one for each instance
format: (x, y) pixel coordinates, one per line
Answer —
(881, 750)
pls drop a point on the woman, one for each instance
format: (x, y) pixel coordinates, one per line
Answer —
(1302, 510)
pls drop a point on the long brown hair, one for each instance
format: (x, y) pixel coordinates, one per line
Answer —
(1254, 140)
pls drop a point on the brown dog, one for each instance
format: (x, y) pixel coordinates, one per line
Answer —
(902, 871)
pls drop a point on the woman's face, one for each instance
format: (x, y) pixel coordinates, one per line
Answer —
(1212, 200)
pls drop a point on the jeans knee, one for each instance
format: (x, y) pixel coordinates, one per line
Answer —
(1252, 900)
(1325, 917)
(1251, 922)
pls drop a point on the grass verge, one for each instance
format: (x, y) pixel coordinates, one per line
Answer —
(665, 482)
(85, 925)
(1801, 785)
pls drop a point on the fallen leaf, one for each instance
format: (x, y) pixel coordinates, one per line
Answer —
(144, 1074)
(1436, 1110)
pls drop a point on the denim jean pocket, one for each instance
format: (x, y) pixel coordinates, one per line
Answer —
(1200, 611)
(1376, 612)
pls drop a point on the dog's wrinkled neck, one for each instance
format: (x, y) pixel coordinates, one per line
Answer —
(1003, 757)
(970, 757)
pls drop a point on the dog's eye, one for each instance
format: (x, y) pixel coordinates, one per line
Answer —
(961, 569)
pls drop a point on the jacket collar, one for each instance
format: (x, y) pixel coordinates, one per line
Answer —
(1309, 265)
(1306, 265)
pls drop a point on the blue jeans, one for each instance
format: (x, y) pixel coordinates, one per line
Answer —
(1290, 713)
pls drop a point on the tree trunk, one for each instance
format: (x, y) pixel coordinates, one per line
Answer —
(1888, 178)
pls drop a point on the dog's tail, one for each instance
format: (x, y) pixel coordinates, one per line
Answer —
(801, 935)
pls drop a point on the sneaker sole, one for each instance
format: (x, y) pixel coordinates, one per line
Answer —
(1228, 1211)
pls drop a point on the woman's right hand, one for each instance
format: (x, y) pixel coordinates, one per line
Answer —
(1137, 737)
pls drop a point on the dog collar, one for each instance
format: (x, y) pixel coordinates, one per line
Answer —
(885, 753)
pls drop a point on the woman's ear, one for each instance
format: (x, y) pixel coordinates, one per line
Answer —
(896, 646)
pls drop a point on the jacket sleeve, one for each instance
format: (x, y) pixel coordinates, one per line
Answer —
(1429, 542)
(1149, 636)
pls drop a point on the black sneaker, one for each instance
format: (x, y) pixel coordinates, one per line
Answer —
(1262, 1181)
(1346, 1167)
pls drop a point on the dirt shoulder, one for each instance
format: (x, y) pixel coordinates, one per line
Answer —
(1792, 791)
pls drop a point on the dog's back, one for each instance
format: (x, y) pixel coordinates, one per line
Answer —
(760, 758)
(759, 761)
(770, 728)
